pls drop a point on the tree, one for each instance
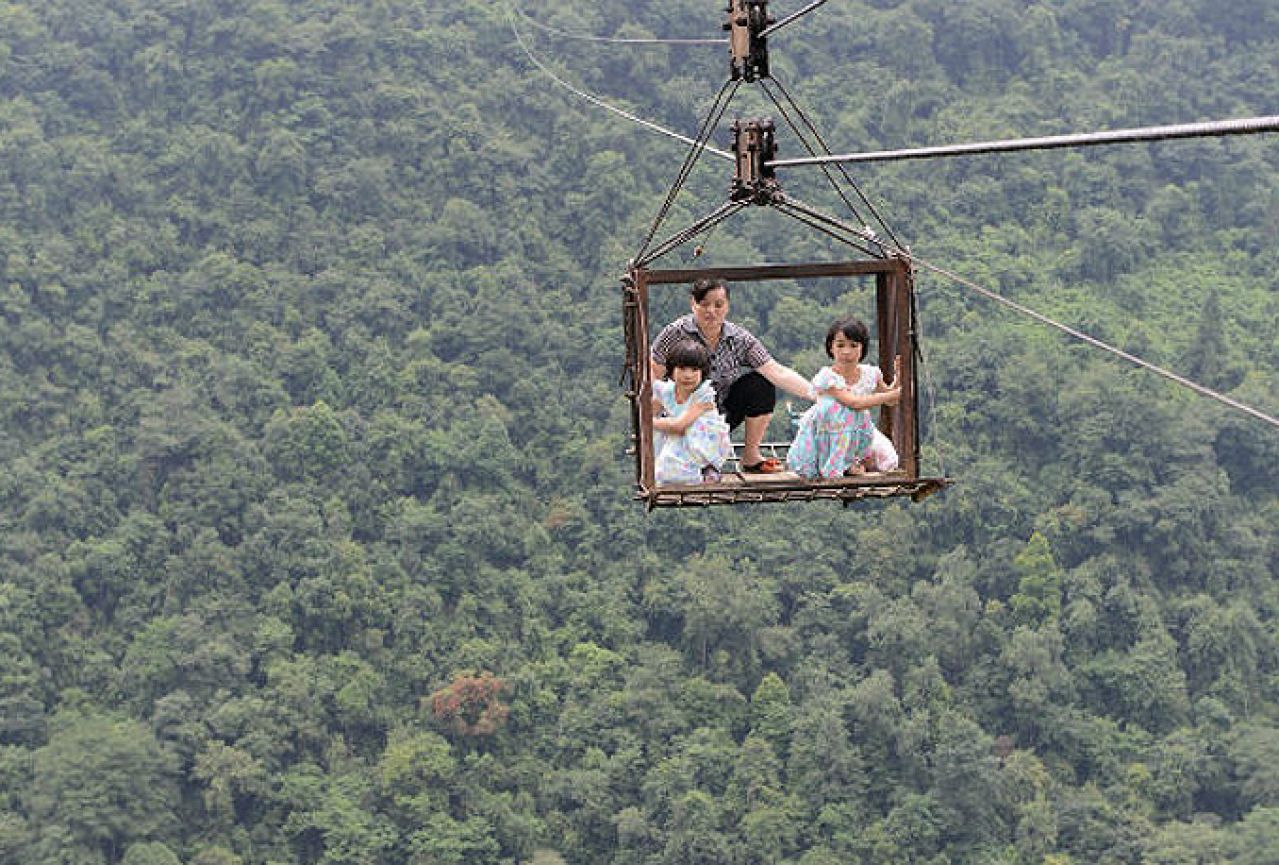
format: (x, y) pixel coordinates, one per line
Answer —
(1144, 685)
(416, 772)
(694, 837)
(234, 780)
(100, 784)
(307, 443)
(151, 853)
(443, 840)
(825, 763)
(1252, 840)
(328, 819)
(1255, 753)
(1038, 597)
(771, 714)
(471, 705)
(724, 612)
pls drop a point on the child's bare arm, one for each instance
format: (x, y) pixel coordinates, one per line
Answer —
(881, 385)
(679, 425)
(845, 397)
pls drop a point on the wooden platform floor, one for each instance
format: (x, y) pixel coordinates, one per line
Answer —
(732, 479)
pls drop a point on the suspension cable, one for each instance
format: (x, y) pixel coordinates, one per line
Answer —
(812, 151)
(768, 31)
(722, 154)
(843, 172)
(611, 39)
(1097, 343)
(725, 96)
(1243, 126)
(706, 223)
(830, 226)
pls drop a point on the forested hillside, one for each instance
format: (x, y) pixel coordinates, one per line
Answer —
(316, 534)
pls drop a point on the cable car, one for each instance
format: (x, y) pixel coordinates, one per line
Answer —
(883, 257)
(895, 330)
(888, 263)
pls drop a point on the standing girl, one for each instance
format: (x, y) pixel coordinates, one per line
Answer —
(835, 435)
(690, 437)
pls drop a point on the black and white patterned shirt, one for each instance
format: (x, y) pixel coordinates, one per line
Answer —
(737, 353)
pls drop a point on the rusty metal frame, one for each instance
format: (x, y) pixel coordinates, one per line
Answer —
(895, 328)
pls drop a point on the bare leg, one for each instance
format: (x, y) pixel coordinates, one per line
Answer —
(752, 435)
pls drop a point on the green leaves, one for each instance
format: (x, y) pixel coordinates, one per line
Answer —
(101, 783)
(308, 401)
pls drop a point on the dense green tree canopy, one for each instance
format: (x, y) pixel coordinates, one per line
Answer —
(316, 538)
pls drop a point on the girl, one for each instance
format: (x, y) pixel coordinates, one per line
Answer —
(836, 435)
(690, 437)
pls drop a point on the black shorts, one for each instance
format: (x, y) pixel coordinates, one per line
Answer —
(751, 395)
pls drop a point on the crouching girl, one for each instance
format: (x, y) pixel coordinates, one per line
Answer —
(690, 437)
(836, 435)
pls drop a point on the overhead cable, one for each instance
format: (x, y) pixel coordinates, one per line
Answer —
(722, 99)
(1097, 343)
(844, 173)
(595, 100)
(768, 31)
(803, 139)
(1244, 126)
(616, 40)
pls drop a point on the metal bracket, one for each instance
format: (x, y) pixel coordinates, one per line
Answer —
(754, 147)
(747, 21)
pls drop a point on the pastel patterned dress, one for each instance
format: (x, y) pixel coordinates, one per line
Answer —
(831, 437)
(681, 458)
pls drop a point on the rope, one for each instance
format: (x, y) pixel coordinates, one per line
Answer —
(768, 31)
(612, 39)
(1244, 126)
(1097, 343)
(823, 223)
(723, 154)
(721, 213)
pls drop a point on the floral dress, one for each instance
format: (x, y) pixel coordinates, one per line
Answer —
(681, 458)
(831, 437)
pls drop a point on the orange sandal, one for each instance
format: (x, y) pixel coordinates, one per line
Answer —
(766, 466)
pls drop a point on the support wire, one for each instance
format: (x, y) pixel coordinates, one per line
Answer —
(595, 100)
(725, 96)
(686, 234)
(768, 31)
(1097, 343)
(843, 173)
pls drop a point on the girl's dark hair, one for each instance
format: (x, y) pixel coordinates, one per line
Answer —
(853, 329)
(689, 353)
(705, 286)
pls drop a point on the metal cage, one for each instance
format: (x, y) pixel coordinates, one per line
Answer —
(895, 328)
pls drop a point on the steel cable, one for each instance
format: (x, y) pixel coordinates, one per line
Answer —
(1210, 129)
(615, 40)
(595, 100)
(1200, 389)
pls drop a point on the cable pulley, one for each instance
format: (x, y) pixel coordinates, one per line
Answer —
(747, 21)
(754, 146)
